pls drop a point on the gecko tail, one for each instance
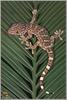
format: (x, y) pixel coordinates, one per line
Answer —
(48, 67)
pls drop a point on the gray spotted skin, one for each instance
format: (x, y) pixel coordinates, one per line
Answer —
(46, 42)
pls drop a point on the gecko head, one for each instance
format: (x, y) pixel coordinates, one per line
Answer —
(13, 30)
(18, 29)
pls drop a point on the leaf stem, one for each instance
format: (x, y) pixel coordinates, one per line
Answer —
(34, 76)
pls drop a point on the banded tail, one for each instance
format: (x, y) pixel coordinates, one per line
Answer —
(50, 62)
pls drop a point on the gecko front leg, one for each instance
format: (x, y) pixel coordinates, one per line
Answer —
(34, 12)
(24, 40)
(32, 47)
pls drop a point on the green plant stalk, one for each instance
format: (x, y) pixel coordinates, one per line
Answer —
(34, 76)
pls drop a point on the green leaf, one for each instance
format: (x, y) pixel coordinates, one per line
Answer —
(20, 70)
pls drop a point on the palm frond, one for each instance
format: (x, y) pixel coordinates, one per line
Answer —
(20, 70)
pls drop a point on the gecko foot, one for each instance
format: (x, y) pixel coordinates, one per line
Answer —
(59, 33)
(30, 46)
(34, 12)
